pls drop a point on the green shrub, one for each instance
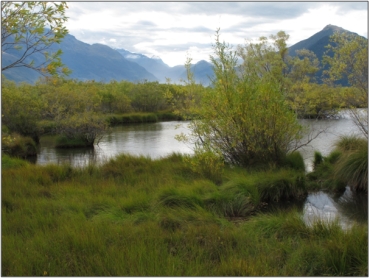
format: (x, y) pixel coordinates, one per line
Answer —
(18, 146)
(207, 164)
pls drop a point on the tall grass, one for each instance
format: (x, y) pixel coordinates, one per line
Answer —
(135, 216)
(352, 166)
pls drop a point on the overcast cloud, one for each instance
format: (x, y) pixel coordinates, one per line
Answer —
(170, 30)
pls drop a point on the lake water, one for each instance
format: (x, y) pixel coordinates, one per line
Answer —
(158, 139)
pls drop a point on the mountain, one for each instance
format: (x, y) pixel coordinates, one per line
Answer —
(203, 72)
(317, 44)
(318, 41)
(87, 62)
(159, 69)
(102, 63)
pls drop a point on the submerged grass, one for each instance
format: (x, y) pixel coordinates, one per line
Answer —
(135, 216)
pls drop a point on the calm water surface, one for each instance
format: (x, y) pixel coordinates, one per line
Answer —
(158, 139)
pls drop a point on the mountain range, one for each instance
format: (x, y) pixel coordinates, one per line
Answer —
(102, 63)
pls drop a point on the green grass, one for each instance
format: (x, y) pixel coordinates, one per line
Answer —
(135, 216)
(346, 165)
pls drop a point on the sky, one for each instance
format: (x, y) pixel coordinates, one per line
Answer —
(173, 31)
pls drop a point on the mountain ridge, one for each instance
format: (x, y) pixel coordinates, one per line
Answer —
(103, 63)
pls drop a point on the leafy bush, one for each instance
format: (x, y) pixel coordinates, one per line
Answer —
(18, 146)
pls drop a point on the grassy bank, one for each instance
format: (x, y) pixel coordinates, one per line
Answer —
(134, 216)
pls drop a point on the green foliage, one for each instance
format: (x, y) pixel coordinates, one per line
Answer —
(21, 108)
(185, 99)
(32, 27)
(207, 164)
(244, 117)
(147, 97)
(315, 101)
(18, 146)
(350, 60)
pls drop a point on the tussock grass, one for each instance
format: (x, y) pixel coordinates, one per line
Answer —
(135, 216)
(284, 184)
(295, 161)
(352, 167)
(346, 165)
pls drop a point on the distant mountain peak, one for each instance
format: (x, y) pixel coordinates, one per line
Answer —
(333, 27)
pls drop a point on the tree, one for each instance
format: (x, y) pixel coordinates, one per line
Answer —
(184, 98)
(244, 118)
(350, 60)
(263, 59)
(31, 28)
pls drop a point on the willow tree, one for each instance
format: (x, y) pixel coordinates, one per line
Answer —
(244, 118)
(31, 28)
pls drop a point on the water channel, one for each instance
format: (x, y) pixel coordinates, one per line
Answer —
(158, 140)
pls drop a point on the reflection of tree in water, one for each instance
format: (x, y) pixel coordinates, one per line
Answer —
(346, 208)
(76, 157)
(353, 205)
(320, 207)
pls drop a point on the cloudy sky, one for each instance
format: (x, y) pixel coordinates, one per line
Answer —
(170, 30)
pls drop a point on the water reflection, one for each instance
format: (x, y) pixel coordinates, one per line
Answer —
(332, 130)
(154, 140)
(346, 209)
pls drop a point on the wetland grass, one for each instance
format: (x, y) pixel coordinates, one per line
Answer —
(135, 216)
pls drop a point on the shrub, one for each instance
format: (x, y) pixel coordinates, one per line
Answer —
(18, 146)
(207, 164)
